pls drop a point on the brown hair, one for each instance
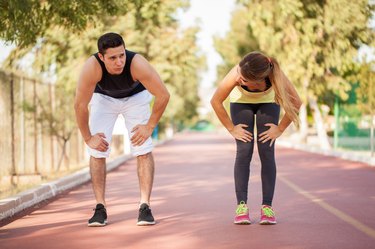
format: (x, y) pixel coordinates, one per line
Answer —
(255, 66)
(109, 40)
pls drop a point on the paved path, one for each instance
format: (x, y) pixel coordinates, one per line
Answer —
(320, 202)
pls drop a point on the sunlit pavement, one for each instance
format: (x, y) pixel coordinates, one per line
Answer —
(320, 202)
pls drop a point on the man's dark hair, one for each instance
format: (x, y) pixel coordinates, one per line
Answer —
(109, 40)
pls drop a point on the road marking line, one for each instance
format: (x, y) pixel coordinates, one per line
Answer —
(341, 215)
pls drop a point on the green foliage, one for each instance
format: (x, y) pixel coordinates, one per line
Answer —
(24, 21)
(365, 91)
(313, 41)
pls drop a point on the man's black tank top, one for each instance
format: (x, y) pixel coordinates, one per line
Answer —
(121, 85)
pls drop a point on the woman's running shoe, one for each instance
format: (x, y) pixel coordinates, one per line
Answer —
(242, 214)
(267, 216)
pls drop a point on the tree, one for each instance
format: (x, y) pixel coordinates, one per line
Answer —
(24, 21)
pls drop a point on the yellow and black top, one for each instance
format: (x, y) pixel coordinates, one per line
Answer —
(241, 94)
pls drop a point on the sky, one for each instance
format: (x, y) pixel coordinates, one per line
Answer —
(213, 17)
(5, 50)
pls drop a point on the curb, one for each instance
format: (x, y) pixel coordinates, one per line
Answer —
(344, 155)
(15, 204)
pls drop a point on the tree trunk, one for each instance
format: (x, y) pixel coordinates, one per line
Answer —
(319, 124)
(303, 129)
(304, 126)
(372, 115)
(63, 155)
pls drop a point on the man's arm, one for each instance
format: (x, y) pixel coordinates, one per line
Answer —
(90, 75)
(142, 71)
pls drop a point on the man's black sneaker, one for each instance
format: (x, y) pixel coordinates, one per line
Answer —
(99, 219)
(145, 216)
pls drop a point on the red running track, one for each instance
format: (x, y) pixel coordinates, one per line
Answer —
(320, 202)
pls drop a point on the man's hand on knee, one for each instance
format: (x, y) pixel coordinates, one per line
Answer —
(141, 134)
(98, 142)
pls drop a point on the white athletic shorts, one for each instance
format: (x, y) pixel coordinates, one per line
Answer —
(104, 111)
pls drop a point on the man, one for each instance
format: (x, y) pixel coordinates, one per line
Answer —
(117, 81)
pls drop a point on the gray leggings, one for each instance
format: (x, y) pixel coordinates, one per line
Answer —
(245, 114)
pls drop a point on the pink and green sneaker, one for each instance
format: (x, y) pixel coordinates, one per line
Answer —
(267, 216)
(242, 214)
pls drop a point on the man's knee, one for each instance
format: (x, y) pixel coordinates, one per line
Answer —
(144, 156)
(97, 161)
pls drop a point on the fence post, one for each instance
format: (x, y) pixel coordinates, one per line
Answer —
(336, 111)
(22, 126)
(371, 99)
(35, 129)
(13, 166)
(52, 151)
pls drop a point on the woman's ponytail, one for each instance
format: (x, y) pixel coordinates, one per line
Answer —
(280, 83)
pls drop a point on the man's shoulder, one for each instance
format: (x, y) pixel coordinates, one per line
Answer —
(92, 69)
(139, 64)
(131, 55)
(92, 63)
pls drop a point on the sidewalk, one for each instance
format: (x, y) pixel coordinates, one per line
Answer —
(314, 148)
(320, 202)
(26, 199)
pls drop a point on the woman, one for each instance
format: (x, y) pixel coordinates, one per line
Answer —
(257, 87)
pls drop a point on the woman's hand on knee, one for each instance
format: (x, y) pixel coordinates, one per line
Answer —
(271, 134)
(240, 133)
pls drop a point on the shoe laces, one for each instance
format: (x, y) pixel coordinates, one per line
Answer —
(242, 208)
(268, 211)
(145, 210)
(99, 209)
